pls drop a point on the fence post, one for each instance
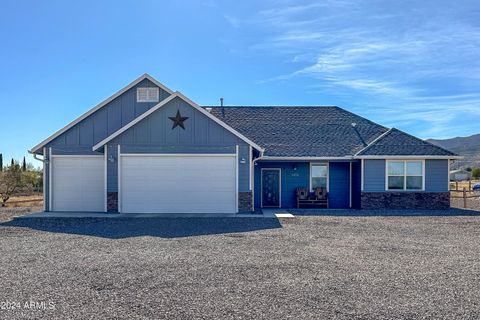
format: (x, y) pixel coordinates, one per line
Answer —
(469, 185)
(464, 198)
(456, 185)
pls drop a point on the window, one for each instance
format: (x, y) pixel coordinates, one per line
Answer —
(318, 176)
(405, 175)
(147, 94)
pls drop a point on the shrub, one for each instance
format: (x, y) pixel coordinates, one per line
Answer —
(476, 173)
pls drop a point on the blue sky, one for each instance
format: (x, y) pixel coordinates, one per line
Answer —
(414, 65)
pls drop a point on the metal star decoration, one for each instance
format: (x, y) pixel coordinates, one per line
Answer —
(178, 120)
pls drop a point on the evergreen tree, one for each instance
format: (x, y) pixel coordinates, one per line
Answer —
(1, 162)
(12, 163)
(24, 165)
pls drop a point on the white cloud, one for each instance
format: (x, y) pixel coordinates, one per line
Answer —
(420, 66)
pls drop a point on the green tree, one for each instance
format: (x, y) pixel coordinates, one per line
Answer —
(12, 163)
(10, 182)
(24, 165)
(1, 162)
(476, 173)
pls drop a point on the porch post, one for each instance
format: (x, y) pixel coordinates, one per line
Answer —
(350, 188)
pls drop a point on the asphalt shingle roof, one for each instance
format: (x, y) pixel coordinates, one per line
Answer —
(286, 131)
(302, 131)
(396, 142)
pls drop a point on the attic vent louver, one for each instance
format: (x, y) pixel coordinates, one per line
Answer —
(147, 94)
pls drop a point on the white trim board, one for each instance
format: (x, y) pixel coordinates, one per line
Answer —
(119, 179)
(45, 180)
(327, 164)
(77, 155)
(374, 140)
(50, 179)
(98, 107)
(163, 103)
(178, 154)
(407, 157)
(105, 177)
(273, 158)
(236, 178)
(404, 175)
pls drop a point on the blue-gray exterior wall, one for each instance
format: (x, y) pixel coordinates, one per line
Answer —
(356, 184)
(83, 136)
(436, 175)
(291, 179)
(373, 175)
(339, 185)
(155, 134)
(297, 174)
(151, 135)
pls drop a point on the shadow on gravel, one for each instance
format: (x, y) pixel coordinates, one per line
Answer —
(155, 227)
(384, 213)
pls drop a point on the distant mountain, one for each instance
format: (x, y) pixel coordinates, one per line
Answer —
(469, 147)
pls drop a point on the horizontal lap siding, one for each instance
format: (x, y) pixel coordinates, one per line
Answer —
(339, 185)
(436, 175)
(374, 175)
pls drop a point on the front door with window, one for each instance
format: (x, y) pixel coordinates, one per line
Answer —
(271, 188)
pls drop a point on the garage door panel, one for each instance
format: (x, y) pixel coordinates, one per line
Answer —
(78, 184)
(173, 184)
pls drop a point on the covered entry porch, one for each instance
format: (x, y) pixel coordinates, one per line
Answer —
(276, 182)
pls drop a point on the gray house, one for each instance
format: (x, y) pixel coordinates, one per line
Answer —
(149, 149)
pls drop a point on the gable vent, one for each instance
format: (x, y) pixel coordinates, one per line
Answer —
(147, 94)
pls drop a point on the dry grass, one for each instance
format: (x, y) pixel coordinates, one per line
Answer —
(463, 184)
(29, 201)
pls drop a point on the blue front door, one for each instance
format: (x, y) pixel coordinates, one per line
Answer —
(271, 188)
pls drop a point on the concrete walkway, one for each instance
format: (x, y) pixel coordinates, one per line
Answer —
(138, 215)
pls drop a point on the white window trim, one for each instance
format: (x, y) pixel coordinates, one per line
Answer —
(154, 98)
(310, 174)
(405, 161)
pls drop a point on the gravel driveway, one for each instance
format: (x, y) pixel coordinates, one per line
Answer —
(226, 268)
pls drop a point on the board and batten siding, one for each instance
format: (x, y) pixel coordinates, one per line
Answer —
(154, 134)
(83, 136)
(436, 175)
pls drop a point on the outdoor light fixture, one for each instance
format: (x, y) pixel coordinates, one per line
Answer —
(111, 158)
(243, 160)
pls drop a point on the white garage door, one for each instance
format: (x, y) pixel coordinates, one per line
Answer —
(78, 183)
(178, 184)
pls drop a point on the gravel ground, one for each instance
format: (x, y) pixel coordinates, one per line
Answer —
(7, 214)
(316, 267)
(472, 203)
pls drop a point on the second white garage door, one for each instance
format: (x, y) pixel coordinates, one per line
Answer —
(78, 183)
(178, 184)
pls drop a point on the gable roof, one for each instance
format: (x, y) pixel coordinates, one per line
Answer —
(176, 94)
(398, 143)
(302, 131)
(98, 107)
